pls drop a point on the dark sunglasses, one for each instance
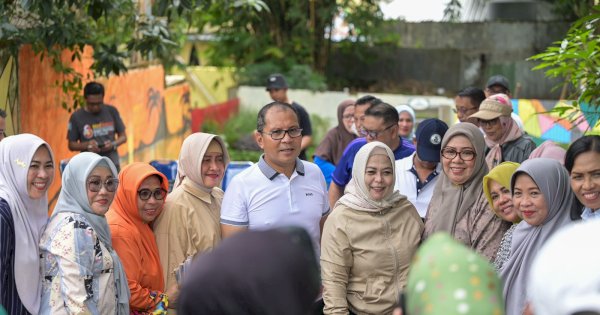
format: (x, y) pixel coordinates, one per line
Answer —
(159, 194)
(95, 184)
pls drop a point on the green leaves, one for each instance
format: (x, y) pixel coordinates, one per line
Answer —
(576, 60)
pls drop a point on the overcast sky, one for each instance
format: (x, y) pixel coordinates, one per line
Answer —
(414, 11)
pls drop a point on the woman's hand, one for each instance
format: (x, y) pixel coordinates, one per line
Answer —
(173, 294)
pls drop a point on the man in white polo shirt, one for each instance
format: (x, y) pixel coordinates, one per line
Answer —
(279, 190)
(417, 174)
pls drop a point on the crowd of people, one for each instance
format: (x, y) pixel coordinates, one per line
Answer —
(464, 219)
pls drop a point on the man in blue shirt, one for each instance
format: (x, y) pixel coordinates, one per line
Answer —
(380, 124)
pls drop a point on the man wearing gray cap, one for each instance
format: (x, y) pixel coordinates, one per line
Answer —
(277, 88)
(497, 84)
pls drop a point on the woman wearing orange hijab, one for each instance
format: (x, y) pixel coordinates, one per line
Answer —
(139, 200)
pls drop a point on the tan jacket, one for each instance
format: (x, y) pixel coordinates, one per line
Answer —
(189, 224)
(365, 257)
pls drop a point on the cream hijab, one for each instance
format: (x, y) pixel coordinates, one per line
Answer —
(29, 215)
(190, 157)
(450, 201)
(356, 195)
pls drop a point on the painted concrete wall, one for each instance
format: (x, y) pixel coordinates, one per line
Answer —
(157, 119)
(537, 122)
(325, 104)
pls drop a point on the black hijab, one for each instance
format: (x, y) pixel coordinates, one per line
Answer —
(256, 272)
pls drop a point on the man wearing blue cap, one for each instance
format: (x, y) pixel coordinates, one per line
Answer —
(416, 174)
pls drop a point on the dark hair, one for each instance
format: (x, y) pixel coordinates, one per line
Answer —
(260, 119)
(385, 111)
(367, 99)
(476, 95)
(93, 88)
(581, 145)
(2, 113)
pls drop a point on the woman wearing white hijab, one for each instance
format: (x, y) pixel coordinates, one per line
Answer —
(406, 121)
(81, 270)
(564, 277)
(190, 221)
(26, 173)
(369, 238)
(543, 198)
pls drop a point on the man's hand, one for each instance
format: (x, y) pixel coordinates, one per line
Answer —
(92, 146)
(108, 146)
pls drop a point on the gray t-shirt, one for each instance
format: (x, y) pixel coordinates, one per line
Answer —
(85, 126)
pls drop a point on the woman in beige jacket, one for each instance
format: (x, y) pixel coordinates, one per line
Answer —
(369, 239)
(190, 221)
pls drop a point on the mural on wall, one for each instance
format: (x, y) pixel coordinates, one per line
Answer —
(542, 125)
(157, 119)
(9, 92)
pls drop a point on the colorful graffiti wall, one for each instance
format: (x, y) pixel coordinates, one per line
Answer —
(542, 125)
(157, 119)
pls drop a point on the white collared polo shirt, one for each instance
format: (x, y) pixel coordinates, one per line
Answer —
(406, 183)
(261, 198)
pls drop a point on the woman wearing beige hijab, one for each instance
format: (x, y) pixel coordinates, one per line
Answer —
(459, 205)
(189, 223)
(369, 238)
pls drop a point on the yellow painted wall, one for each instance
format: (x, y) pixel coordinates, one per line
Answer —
(8, 94)
(209, 85)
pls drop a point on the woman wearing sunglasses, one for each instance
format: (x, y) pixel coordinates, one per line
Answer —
(139, 200)
(82, 273)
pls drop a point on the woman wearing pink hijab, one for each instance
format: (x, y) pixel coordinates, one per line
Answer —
(551, 150)
(504, 139)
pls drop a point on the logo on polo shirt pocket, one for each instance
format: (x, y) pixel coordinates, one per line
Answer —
(309, 194)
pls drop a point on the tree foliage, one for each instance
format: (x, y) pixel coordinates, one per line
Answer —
(293, 36)
(452, 11)
(576, 59)
(119, 31)
(286, 36)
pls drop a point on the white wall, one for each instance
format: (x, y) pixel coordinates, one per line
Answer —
(325, 104)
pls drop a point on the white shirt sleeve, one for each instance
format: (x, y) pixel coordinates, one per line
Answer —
(326, 207)
(234, 209)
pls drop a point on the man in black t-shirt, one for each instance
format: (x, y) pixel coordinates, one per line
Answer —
(93, 128)
(277, 88)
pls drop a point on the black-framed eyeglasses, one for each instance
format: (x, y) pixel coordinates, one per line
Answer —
(463, 110)
(280, 134)
(373, 134)
(145, 194)
(491, 122)
(95, 184)
(465, 155)
(348, 117)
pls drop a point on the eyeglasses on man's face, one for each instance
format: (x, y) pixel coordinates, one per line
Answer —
(463, 110)
(465, 155)
(279, 134)
(145, 194)
(95, 184)
(373, 134)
